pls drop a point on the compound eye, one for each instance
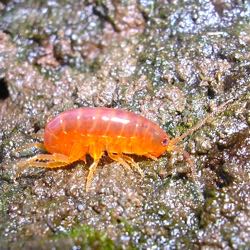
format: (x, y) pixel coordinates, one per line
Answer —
(164, 142)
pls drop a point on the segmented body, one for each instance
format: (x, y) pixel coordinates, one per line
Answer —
(73, 134)
(103, 129)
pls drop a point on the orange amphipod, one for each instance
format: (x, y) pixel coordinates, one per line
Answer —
(73, 134)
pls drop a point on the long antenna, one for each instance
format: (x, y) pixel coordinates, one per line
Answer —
(190, 131)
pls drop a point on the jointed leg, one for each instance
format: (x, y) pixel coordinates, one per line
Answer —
(118, 158)
(43, 161)
(92, 170)
(126, 161)
(96, 153)
(54, 160)
(152, 157)
(46, 158)
(133, 163)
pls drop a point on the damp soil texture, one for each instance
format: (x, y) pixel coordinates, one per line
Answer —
(172, 61)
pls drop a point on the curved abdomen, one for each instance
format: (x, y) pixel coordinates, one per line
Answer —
(112, 130)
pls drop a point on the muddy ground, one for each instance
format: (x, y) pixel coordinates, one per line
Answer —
(173, 62)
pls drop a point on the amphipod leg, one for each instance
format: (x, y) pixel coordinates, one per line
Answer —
(54, 160)
(44, 157)
(44, 161)
(126, 161)
(92, 170)
(118, 158)
(133, 163)
(96, 154)
(152, 157)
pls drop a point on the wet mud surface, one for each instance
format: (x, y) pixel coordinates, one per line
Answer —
(173, 62)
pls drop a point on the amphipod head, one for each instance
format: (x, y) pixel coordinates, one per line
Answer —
(160, 142)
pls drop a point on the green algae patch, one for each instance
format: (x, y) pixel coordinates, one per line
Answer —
(85, 237)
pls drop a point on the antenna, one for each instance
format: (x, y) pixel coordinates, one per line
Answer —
(173, 142)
